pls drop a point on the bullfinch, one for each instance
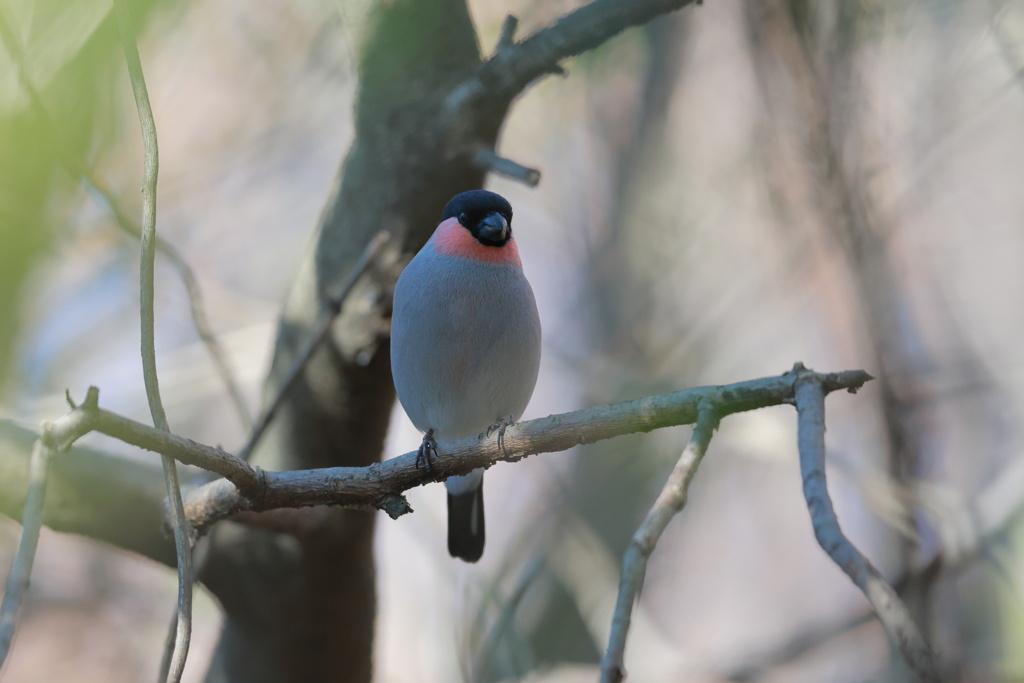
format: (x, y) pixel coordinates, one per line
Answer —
(465, 343)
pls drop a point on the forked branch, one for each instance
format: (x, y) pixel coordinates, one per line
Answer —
(888, 607)
(810, 389)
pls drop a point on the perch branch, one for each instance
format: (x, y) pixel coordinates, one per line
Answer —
(381, 484)
(810, 404)
(634, 563)
(245, 490)
(182, 536)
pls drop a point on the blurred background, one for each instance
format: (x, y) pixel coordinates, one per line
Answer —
(729, 190)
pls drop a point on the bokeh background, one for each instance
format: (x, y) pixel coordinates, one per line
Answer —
(729, 190)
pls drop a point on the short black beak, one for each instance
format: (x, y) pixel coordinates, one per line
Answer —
(493, 228)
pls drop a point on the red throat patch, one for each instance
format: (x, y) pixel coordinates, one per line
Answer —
(452, 239)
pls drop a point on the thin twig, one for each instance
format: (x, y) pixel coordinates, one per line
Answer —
(54, 437)
(197, 311)
(77, 167)
(327, 316)
(634, 563)
(810, 404)
(507, 37)
(200, 554)
(182, 537)
(31, 523)
(487, 159)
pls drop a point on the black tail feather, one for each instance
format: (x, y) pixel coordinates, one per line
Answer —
(466, 524)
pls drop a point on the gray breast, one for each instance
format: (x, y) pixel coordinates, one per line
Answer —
(465, 343)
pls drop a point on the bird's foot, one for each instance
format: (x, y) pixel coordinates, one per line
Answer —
(501, 425)
(427, 451)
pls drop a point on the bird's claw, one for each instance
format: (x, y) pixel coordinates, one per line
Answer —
(427, 450)
(501, 425)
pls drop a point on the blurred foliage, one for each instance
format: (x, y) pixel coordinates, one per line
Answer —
(57, 65)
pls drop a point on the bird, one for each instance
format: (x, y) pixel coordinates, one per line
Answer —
(465, 344)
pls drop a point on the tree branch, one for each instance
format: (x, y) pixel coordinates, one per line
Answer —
(245, 488)
(381, 485)
(187, 451)
(515, 65)
(810, 404)
(248, 489)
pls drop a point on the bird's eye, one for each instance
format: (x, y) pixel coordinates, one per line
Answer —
(463, 217)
